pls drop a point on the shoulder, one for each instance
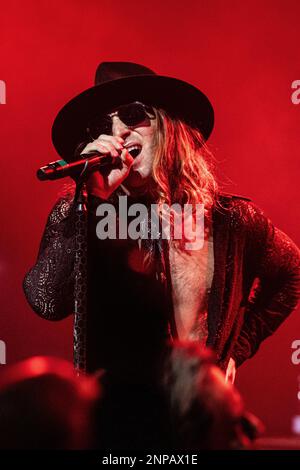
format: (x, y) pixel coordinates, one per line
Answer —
(233, 202)
(238, 205)
(243, 213)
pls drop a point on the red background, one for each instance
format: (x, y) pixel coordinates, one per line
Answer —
(244, 55)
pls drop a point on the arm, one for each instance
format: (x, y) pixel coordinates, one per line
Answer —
(49, 284)
(276, 292)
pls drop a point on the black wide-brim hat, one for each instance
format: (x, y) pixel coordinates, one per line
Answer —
(119, 83)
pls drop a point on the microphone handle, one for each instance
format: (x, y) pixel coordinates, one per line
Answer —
(60, 168)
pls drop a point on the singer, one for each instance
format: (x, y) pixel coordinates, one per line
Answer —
(229, 295)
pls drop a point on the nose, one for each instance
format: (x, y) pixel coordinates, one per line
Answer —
(119, 129)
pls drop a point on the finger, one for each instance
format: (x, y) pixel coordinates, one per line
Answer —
(101, 147)
(126, 158)
(228, 372)
(118, 142)
(230, 376)
(88, 148)
(108, 147)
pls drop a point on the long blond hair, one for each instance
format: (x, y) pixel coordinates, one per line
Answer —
(183, 164)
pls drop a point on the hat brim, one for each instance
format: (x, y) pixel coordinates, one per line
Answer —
(178, 98)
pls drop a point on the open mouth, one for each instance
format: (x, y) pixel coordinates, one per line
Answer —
(134, 150)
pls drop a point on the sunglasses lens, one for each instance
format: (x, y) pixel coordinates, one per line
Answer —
(132, 114)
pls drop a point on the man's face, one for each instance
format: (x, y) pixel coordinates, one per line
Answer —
(143, 137)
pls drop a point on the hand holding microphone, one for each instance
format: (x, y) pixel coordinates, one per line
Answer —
(106, 153)
(103, 184)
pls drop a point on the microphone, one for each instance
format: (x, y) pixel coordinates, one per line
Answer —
(87, 164)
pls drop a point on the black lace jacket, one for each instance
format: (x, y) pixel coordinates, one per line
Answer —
(255, 286)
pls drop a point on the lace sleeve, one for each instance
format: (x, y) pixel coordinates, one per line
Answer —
(49, 284)
(276, 292)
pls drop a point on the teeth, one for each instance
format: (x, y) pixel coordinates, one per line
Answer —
(134, 150)
(131, 147)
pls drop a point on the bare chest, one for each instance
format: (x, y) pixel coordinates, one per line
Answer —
(191, 278)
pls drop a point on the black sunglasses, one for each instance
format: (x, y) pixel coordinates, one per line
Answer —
(131, 115)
